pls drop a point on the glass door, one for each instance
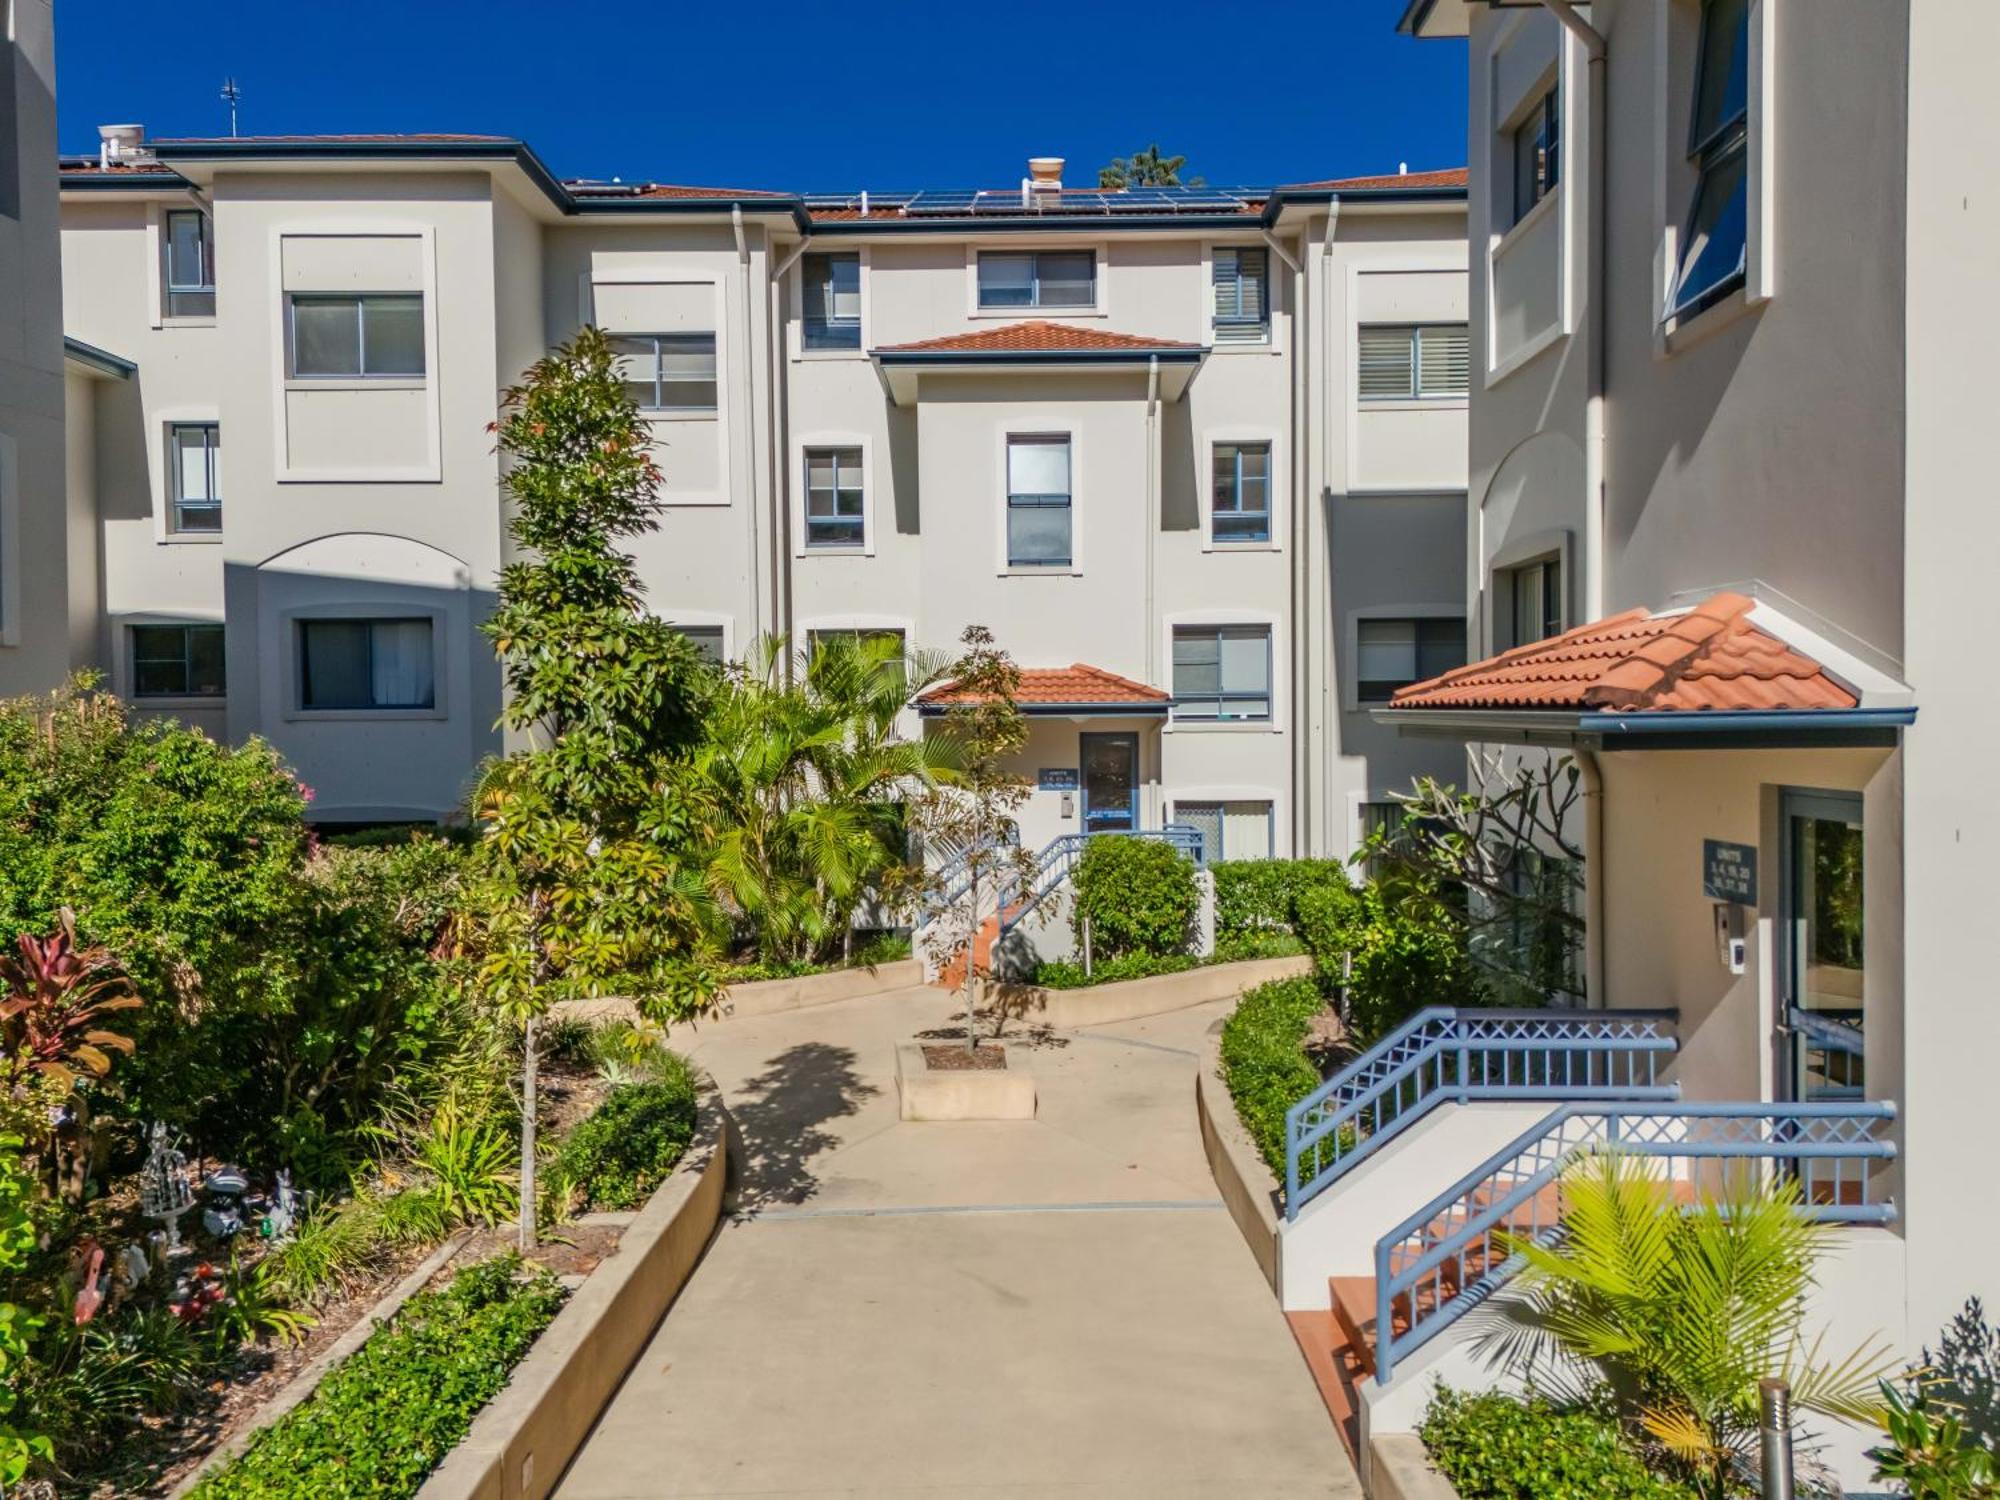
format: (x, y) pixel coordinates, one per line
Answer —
(1110, 782)
(1823, 926)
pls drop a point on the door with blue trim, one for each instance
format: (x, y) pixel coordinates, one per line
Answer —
(1822, 931)
(1110, 782)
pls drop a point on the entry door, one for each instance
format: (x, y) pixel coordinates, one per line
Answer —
(1825, 1010)
(1110, 782)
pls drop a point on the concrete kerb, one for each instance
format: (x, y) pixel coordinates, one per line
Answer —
(1248, 1189)
(927, 1093)
(308, 1379)
(766, 997)
(1130, 999)
(1400, 1469)
(522, 1442)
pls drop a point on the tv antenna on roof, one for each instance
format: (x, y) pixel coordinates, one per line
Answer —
(231, 94)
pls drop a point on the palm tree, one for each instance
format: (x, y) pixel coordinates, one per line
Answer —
(1680, 1312)
(800, 782)
(1145, 168)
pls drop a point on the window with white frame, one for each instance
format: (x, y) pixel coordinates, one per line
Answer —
(835, 515)
(891, 642)
(1222, 673)
(1413, 362)
(1229, 830)
(176, 661)
(1037, 278)
(190, 265)
(1393, 653)
(194, 478)
(366, 664)
(1537, 153)
(368, 336)
(830, 291)
(667, 372)
(706, 640)
(1533, 599)
(1241, 492)
(1715, 247)
(1038, 502)
(1242, 283)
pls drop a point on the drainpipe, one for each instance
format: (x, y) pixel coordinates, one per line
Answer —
(781, 433)
(1592, 42)
(748, 423)
(1593, 879)
(1332, 382)
(1152, 513)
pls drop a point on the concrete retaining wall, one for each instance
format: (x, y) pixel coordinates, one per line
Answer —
(521, 1443)
(1248, 1189)
(1400, 1469)
(768, 996)
(1129, 999)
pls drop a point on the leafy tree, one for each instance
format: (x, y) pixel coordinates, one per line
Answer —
(583, 884)
(802, 784)
(18, 1448)
(1145, 168)
(1681, 1312)
(973, 819)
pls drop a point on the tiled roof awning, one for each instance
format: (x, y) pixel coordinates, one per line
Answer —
(1075, 689)
(1727, 665)
(1036, 345)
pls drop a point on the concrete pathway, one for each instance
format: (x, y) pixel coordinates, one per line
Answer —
(1059, 1307)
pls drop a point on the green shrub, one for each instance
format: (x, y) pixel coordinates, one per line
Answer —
(628, 1145)
(1495, 1447)
(1264, 1064)
(1138, 896)
(1394, 956)
(1254, 896)
(391, 1411)
(1067, 974)
(1246, 946)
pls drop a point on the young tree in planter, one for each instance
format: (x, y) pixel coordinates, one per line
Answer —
(585, 887)
(975, 816)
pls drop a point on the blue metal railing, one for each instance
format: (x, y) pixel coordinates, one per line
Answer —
(1444, 1055)
(1455, 1251)
(1054, 865)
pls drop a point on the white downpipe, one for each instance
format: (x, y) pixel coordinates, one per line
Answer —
(747, 444)
(1310, 695)
(1592, 41)
(1593, 879)
(1152, 514)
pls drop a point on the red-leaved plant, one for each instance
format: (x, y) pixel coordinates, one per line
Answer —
(55, 994)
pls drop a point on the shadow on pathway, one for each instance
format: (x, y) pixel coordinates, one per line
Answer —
(781, 1115)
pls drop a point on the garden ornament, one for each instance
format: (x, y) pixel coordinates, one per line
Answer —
(164, 1192)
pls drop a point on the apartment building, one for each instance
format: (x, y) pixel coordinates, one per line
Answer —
(1196, 456)
(1725, 547)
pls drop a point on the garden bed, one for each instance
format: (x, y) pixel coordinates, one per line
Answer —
(1125, 1000)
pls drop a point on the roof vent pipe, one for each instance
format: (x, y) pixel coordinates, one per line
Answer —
(118, 144)
(1046, 173)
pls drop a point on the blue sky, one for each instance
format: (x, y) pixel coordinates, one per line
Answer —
(772, 93)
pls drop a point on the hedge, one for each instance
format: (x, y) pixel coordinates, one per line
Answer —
(1394, 956)
(1495, 1447)
(1138, 895)
(625, 1148)
(1258, 895)
(391, 1411)
(1264, 1064)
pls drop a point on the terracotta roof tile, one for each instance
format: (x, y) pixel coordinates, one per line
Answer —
(1053, 338)
(588, 189)
(1450, 177)
(1709, 657)
(1073, 684)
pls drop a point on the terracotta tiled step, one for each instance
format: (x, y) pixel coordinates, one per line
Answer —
(1331, 1358)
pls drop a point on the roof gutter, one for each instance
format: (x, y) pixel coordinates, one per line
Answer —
(1152, 358)
(1063, 710)
(1655, 729)
(101, 361)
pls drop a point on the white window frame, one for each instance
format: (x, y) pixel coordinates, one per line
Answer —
(1274, 269)
(795, 325)
(1204, 793)
(1350, 685)
(156, 256)
(431, 470)
(1028, 245)
(292, 663)
(1035, 425)
(1281, 670)
(171, 496)
(392, 378)
(1676, 47)
(166, 290)
(618, 270)
(1562, 73)
(1415, 399)
(1280, 487)
(806, 443)
(674, 413)
(1533, 547)
(161, 478)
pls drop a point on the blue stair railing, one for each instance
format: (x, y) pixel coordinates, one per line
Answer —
(1055, 864)
(1461, 1247)
(1445, 1055)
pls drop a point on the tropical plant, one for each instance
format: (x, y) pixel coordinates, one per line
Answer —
(1681, 1312)
(471, 1162)
(1145, 168)
(19, 1447)
(802, 784)
(254, 1307)
(972, 820)
(1137, 895)
(91, 1383)
(1930, 1452)
(584, 878)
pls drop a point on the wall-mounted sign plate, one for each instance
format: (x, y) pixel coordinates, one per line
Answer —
(1729, 871)
(1056, 779)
